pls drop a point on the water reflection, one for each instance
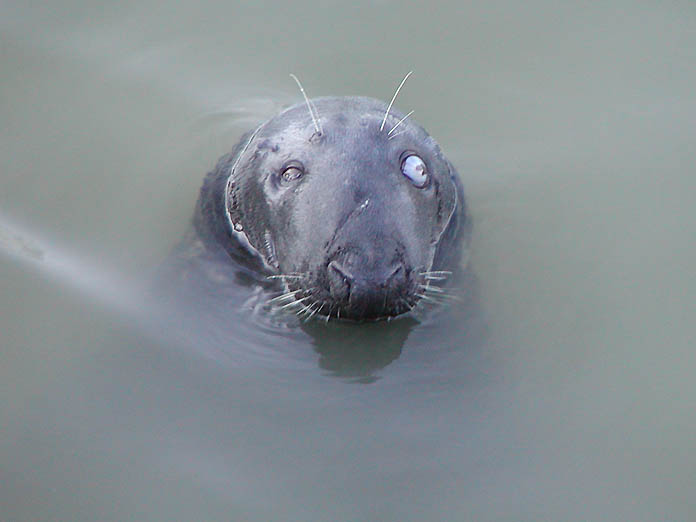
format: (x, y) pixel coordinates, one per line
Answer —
(357, 352)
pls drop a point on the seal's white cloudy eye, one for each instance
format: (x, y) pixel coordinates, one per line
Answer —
(292, 173)
(414, 169)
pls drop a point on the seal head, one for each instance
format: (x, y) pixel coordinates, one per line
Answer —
(350, 217)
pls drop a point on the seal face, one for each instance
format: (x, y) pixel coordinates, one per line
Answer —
(354, 220)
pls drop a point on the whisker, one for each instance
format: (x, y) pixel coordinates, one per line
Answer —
(440, 298)
(435, 278)
(317, 309)
(286, 276)
(399, 123)
(283, 297)
(316, 112)
(381, 128)
(437, 272)
(315, 119)
(429, 299)
(398, 134)
(304, 309)
(293, 303)
(444, 297)
(431, 288)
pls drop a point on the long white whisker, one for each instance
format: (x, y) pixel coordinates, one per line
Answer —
(381, 128)
(315, 119)
(430, 288)
(440, 298)
(298, 301)
(303, 310)
(284, 297)
(398, 134)
(399, 123)
(314, 311)
(316, 113)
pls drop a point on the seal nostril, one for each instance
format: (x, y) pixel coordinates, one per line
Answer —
(396, 272)
(341, 270)
(398, 277)
(340, 280)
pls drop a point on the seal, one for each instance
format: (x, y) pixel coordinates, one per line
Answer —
(347, 203)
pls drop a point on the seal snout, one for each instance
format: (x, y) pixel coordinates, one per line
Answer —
(367, 286)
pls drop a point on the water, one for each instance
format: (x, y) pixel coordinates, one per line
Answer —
(572, 126)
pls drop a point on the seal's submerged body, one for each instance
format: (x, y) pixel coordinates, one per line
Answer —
(356, 212)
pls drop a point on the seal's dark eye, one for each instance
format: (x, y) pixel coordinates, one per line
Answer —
(414, 169)
(291, 173)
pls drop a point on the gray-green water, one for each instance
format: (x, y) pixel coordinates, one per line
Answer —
(572, 125)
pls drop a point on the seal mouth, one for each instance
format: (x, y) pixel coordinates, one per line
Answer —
(334, 294)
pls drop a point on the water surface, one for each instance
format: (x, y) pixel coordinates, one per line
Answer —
(572, 127)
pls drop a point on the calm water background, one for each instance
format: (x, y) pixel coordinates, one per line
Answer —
(572, 125)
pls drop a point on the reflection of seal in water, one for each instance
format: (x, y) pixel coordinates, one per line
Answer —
(350, 206)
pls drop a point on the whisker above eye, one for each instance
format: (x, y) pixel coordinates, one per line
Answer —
(386, 114)
(399, 123)
(310, 105)
(397, 134)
